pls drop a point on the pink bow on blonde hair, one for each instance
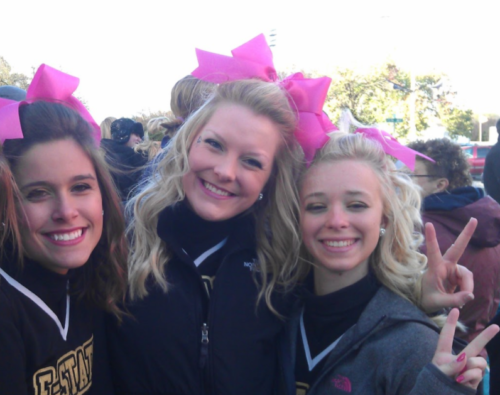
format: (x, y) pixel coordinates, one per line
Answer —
(50, 85)
(254, 59)
(392, 147)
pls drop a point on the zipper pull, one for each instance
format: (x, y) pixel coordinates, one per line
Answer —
(204, 345)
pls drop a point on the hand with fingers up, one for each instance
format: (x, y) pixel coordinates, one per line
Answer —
(467, 368)
(444, 275)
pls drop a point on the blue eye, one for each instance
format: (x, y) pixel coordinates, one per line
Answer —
(254, 163)
(214, 143)
(357, 206)
(315, 207)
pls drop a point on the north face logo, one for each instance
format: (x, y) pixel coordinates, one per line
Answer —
(342, 383)
(253, 266)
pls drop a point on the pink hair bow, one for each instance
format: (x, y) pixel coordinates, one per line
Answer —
(253, 59)
(48, 84)
(391, 146)
(308, 97)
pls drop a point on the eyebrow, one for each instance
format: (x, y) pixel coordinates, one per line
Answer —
(350, 193)
(80, 177)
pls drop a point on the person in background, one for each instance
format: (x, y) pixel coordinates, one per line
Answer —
(449, 201)
(106, 127)
(125, 163)
(491, 175)
(12, 93)
(187, 96)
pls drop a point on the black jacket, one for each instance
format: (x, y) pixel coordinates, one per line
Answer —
(128, 164)
(161, 351)
(37, 356)
(491, 176)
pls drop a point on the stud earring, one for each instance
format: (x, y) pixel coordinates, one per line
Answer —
(382, 232)
(261, 196)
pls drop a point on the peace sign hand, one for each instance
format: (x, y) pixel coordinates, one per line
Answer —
(467, 369)
(443, 275)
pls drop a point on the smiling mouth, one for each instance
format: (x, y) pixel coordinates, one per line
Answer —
(343, 243)
(66, 236)
(212, 188)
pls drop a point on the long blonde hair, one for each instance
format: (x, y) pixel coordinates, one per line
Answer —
(395, 261)
(275, 216)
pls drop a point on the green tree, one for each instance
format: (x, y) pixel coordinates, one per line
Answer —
(385, 90)
(7, 77)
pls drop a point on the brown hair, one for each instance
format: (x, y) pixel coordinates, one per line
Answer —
(102, 279)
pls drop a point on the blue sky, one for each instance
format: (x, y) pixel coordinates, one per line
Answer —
(128, 54)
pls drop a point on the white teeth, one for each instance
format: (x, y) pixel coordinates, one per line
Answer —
(66, 236)
(213, 189)
(339, 243)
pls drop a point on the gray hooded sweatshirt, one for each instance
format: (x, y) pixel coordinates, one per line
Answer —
(388, 352)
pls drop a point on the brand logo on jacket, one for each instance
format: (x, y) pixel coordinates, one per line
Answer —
(342, 383)
(253, 266)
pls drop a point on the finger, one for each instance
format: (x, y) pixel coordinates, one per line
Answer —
(475, 362)
(470, 378)
(476, 345)
(466, 280)
(457, 249)
(455, 367)
(445, 341)
(433, 252)
(458, 299)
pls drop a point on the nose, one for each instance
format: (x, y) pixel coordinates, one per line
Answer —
(337, 218)
(226, 169)
(65, 209)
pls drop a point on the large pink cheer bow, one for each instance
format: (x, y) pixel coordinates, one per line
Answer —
(254, 59)
(51, 85)
(391, 146)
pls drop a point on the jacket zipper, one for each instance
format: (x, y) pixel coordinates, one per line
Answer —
(204, 345)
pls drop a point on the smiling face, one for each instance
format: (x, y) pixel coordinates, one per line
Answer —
(230, 160)
(62, 203)
(341, 216)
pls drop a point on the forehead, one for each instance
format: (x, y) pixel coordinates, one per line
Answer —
(420, 167)
(341, 177)
(241, 126)
(55, 161)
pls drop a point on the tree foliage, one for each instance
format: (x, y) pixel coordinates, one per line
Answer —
(386, 91)
(7, 77)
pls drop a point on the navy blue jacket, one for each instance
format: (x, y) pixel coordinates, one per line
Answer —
(160, 350)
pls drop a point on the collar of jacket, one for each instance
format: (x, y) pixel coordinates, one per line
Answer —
(241, 237)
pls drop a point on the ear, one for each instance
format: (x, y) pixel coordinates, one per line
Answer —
(442, 185)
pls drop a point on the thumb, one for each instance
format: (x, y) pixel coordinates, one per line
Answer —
(453, 368)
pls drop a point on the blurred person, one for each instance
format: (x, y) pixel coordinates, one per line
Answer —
(449, 201)
(106, 127)
(12, 93)
(126, 164)
(491, 175)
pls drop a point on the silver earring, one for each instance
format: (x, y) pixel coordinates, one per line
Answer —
(103, 213)
(382, 232)
(261, 196)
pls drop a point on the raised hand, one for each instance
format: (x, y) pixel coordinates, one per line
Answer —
(444, 275)
(466, 368)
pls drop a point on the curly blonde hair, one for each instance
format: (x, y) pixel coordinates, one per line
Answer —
(276, 215)
(396, 261)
